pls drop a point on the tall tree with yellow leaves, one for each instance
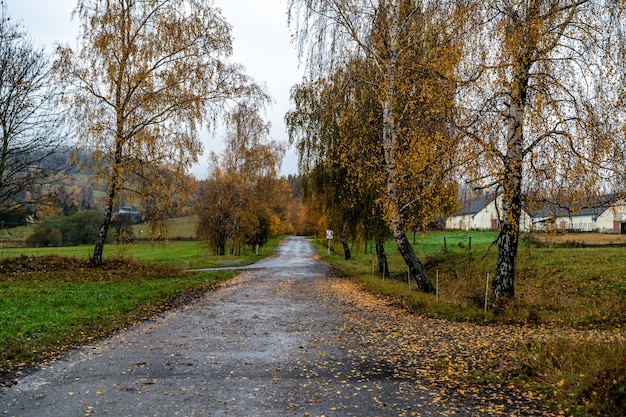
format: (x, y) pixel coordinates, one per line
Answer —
(147, 75)
(411, 47)
(336, 129)
(253, 160)
(541, 107)
(234, 203)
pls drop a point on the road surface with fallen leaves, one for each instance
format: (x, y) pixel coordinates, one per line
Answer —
(284, 338)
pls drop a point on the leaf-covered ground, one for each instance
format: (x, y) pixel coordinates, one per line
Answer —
(480, 364)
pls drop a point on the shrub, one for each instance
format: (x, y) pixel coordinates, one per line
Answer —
(55, 237)
(78, 229)
(39, 238)
(82, 227)
(122, 228)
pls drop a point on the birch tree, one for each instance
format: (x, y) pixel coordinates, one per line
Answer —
(541, 108)
(233, 203)
(146, 77)
(252, 159)
(411, 47)
(31, 126)
(335, 127)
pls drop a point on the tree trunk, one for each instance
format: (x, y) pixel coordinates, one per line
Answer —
(4, 157)
(346, 250)
(344, 243)
(390, 145)
(101, 235)
(383, 267)
(116, 180)
(417, 270)
(112, 192)
(504, 279)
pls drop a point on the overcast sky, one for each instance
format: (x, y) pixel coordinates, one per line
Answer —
(262, 43)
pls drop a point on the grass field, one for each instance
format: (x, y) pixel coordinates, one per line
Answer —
(50, 304)
(53, 299)
(575, 295)
(578, 287)
(191, 254)
(178, 228)
(185, 253)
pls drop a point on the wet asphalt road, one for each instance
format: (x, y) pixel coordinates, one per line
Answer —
(271, 342)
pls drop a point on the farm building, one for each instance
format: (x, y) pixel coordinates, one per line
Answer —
(605, 216)
(481, 213)
(131, 213)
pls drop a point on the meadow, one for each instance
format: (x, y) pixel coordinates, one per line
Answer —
(184, 254)
(52, 299)
(558, 282)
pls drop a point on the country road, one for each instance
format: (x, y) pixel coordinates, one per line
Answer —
(282, 339)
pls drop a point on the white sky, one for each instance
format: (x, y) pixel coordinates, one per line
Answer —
(261, 43)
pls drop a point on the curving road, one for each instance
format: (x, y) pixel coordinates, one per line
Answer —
(274, 341)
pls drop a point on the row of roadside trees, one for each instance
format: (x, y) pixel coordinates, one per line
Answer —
(406, 101)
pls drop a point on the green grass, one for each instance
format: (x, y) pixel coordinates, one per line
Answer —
(450, 241)
(568, 287)
(577, 288)
(185, 254)
(49, 303)
(178, 228)
(190, 254)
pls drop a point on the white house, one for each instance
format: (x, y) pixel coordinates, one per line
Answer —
(608, 215)
(462, 219)
(481, 213)
(613, 219)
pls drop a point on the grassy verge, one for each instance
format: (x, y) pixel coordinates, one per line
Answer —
(50, 303)
(581, 288)
(576, 296)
